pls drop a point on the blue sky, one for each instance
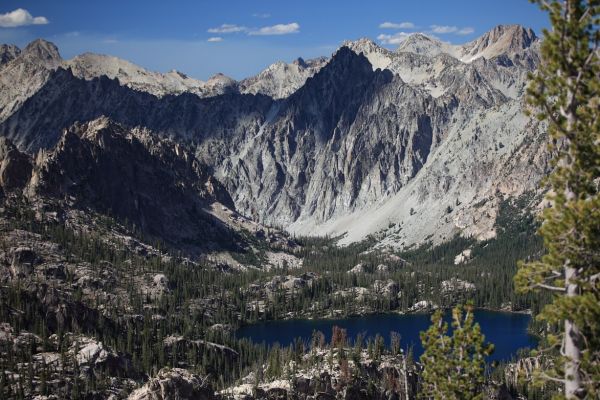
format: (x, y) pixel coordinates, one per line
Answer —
(241, 37)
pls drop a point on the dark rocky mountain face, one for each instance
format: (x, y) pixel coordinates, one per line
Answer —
(15, 167)
(65, 99)
(154, 185)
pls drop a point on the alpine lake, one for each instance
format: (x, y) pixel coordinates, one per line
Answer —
(507, 331)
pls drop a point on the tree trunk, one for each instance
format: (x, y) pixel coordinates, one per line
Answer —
(572, 336)
(572, 342)
(405, 377)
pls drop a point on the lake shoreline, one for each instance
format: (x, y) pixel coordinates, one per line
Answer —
(429, 311)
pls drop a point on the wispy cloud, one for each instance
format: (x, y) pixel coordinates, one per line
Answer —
(279, 29)
(465, 31)
(20, 17)
(214, 39)
(445, 29)
(228, 28)
(442, 29)
(261, 15)
(394, 39)
(393, 25)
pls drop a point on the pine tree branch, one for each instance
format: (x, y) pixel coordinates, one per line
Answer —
(555, 274)
(584, 15)
(545, 376)
(548, 287)
(594, 277)
(583, 70)
(545, 4)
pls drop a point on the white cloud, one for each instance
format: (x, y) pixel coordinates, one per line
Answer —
(214, 39)
(395, 39)
(279, 29)
(228, 28)
(445, 29)
(442, 29)
(261, 15)
(20, 17)
(465, 31)
(401, 25)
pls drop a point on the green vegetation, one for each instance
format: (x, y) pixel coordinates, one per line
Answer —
(202, 296)
(453, 366)
(566, 93)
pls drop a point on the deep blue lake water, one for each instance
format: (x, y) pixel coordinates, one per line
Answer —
(507, 331)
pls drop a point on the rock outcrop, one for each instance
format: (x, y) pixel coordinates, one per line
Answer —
(155, 184)
(15, 167)
(174, 384)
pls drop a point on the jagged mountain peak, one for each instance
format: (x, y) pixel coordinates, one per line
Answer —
(345, 70)
(379, 57)
(8, 52)
(300, 62)
(42, 50)
(94, 129)
(361, 44)
(420, 43)
(502, 39)
(346, 59)
(220, 84)
(220, 77)
(519, 36)
(281, 79)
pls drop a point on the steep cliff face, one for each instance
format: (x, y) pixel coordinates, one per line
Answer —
(430, 145)
(23, 73)
(153, 184)
(347, 137)
(417, 144)
(15, 167)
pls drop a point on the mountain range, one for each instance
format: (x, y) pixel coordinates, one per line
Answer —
(411, 145)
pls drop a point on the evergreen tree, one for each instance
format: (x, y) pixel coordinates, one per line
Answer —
(566, 93)
(453, 366)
